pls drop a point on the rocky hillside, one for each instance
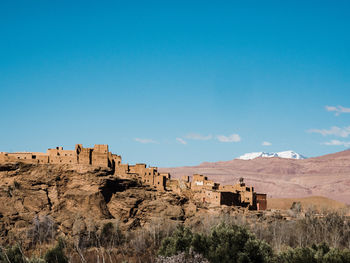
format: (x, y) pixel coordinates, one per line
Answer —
(328, 175)
(79, 199)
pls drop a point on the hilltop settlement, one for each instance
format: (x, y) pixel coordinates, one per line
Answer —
(197, 187)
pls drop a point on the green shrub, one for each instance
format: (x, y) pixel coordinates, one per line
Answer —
(298, 255)
(337, 256)
(182, 258)
(56, 254)
(315, 254)
(36, 260)
(12, 255)
(180, 241)
(223, 244)
(111, 235)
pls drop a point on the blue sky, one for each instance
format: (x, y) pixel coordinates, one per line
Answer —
(175, 83)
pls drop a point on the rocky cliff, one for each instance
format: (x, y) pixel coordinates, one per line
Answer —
(79, 199)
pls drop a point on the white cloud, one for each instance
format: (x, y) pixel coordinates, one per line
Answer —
(230, 138)
(196, 136)
(140, 140)
(266, 144)
(182, 141)
(337, 143)
(338, 109)
(341, 132)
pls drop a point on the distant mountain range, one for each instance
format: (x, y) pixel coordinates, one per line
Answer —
(285, 154)
(327, 175)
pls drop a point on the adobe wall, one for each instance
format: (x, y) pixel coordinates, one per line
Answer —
(24, 157)
(60, 152)
(236, 187)
(60, 156)
(200, 182)
(62, 159)
(247, 198)
(261, 201)
(160, 182)
(199, 178)
(167, 175)
(97, 156)
(122, 169)
(100, 156)
(246, 193)
(117, 159)
(148, 179)
(84, 157)
(152, 171)
(210, 197)
(100, 159)
(173, 185)
(197, 183)
(101, 148)
(139, 168)
(42, 158)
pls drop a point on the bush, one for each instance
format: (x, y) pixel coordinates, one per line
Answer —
(56, 254)
(111, 235)
(37, 260)
(182, 258)
(337, 256)
(235, 244)
(298, 255)
(180, 241)
(315, 254)
(223, 244)
(12, 255)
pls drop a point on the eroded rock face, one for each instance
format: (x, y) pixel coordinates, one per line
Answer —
(79, 198)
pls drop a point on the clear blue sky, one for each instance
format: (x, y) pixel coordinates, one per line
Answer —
(147, 77)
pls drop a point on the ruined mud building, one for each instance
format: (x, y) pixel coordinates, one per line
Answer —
(198, 188)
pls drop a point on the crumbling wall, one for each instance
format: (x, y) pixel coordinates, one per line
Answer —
(84, 156)
(160, 182)
(99, 156)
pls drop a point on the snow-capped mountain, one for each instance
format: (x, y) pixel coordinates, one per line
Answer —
(285, 154)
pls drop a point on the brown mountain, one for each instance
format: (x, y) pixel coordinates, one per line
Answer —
(327, 175)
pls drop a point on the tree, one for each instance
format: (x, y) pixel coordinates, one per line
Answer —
(56, 254)
(224, 244)
(180, 241)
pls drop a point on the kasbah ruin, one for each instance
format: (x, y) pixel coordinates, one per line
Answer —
(197, 187)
